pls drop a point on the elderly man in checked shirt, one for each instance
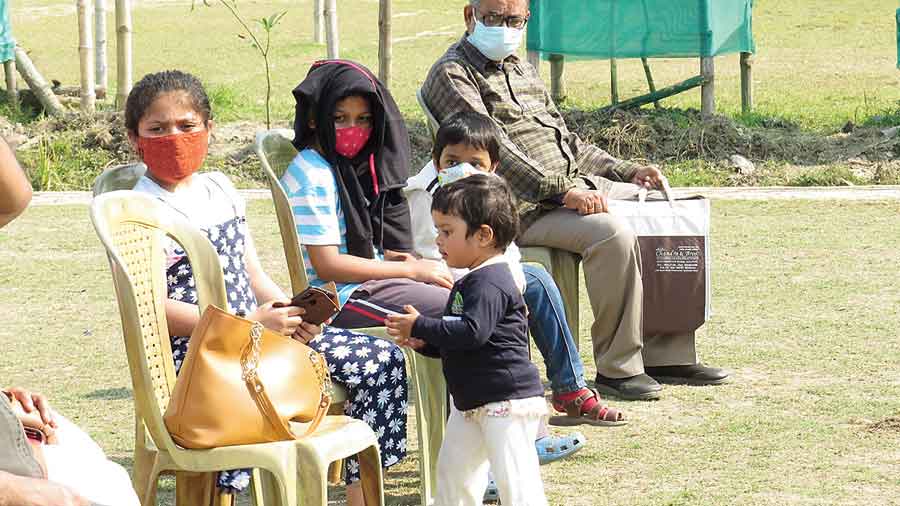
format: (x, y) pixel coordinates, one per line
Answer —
(563, 185)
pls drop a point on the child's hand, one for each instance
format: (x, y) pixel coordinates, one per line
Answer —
(411, 342)
(400, 325)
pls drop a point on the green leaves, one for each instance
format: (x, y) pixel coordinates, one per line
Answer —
(269, 23)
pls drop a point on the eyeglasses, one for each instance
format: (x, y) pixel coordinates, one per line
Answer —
(495, 20)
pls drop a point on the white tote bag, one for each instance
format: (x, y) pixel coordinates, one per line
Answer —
(675, 260)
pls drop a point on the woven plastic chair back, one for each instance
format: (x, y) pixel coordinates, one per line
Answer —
(132, 227)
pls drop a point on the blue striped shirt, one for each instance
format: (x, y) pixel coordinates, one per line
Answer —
(311, 189)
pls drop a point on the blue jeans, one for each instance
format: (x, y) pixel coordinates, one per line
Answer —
(550, 331)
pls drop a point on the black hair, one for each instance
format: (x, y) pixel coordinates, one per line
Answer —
(481, 199)
(153, 85)
(468, 128)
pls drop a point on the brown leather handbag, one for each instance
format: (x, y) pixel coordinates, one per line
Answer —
(242, 383)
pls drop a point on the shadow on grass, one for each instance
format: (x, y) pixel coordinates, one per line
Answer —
(110, 394)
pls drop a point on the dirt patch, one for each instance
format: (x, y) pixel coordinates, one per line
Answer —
(890, 425)
(863, 156)
(671, 136)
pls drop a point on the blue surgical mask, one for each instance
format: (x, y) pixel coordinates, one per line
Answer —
(457, 172)
(496, 42)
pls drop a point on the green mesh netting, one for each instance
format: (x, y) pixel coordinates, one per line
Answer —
(7, 43)
(640, 28)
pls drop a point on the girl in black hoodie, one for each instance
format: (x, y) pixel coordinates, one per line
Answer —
(345, 187)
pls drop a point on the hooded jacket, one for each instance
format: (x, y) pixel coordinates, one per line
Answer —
(370, 185)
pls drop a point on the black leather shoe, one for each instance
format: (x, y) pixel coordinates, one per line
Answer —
(634, 388)
(695, 374)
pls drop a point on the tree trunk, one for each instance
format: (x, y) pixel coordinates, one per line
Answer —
(38, 84)
(385, 38)
(331, 19)
(123, 52)
(9, 68)
(557, 81)
(100, 61)
(86, 54)
(319, 21)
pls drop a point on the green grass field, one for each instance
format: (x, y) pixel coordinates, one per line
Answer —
(819, 63)
(807, 314)
(806, 294)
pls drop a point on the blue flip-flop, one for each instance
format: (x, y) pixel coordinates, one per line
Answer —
(552, 448)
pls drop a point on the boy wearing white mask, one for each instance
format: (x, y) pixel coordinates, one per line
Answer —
(467, 144)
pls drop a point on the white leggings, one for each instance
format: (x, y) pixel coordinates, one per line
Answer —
(505, 445)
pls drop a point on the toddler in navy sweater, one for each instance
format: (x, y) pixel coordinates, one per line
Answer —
(482, 341)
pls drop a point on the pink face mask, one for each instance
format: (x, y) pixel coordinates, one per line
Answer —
(349, 141)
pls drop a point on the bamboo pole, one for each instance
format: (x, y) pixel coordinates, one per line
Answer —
(86, 54)
(100, 60)
(708, 91)
(385, 38)
(613, 81)
(650, 82)
(319, 21)
(659, 94)
(557, 83)
(38, 84)
(746, 82)
(123, 52)
(9, 68)
(331, 29)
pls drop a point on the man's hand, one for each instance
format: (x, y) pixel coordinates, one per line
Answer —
(649, 177)
(400, 326)
(32, 402)
(586, 202)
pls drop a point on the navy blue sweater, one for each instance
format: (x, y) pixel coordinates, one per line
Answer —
(482, 340)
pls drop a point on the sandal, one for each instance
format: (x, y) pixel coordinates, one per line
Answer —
(491, 493)
(552, 448)
(599, 415)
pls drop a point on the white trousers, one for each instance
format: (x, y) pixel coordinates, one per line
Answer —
(505, 445)
(78, 463)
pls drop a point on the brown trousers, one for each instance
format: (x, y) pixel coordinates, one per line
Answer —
(611, 260)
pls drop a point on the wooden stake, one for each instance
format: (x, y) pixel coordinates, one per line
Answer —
(659, 94)
(650, 82)
(319, 21)
(331, 32)
(613, 81)
(557, 83)
(708, 91)
(746, 82)
(86, 53)
(38, 84)
(9, 68)
(102, 74)
(123, 52)
(385, 38)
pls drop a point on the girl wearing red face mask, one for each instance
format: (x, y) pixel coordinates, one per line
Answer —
(345, 187)
(168, 118)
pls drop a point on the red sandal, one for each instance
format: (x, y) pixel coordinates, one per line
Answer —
(599, 415)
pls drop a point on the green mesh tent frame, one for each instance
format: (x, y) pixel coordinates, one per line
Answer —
(898, 38)
(8, 53)
(613, 29)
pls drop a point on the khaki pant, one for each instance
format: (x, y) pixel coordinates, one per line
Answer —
(611, 259)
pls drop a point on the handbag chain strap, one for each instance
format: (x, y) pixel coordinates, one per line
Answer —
(324, 377)
(250, 357)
